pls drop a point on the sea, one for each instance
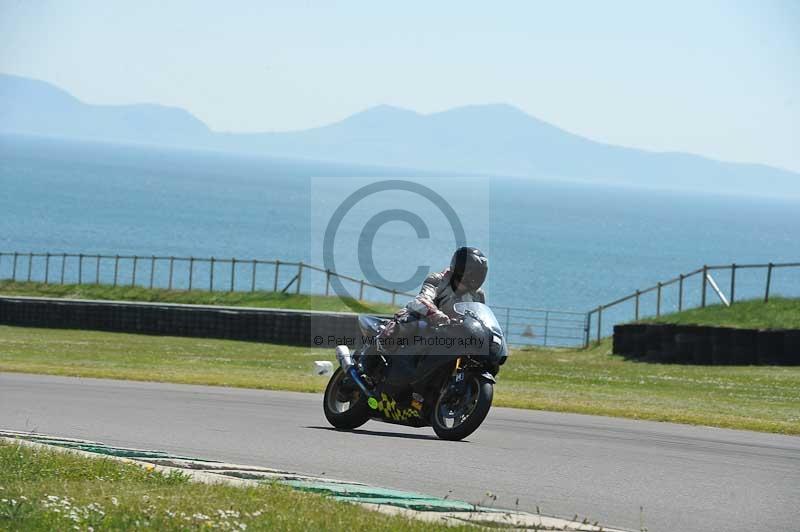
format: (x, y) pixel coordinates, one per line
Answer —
(551, 244)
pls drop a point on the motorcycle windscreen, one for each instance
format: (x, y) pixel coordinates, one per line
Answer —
(483, 313)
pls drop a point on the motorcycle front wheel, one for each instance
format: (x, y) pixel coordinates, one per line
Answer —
(344, 409)
(455, 417)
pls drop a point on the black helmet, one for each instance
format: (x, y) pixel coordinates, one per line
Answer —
(468, 266)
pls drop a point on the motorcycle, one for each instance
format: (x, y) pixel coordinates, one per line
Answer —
(442, 377)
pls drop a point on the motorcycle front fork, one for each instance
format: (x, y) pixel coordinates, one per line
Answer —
(457, 378)
(369, 352)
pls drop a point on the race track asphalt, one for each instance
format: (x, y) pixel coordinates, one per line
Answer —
(685, 478)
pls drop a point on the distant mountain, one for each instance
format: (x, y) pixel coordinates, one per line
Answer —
(486, 139)
(38, 108)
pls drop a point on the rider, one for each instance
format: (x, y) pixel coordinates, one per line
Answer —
(439, 293)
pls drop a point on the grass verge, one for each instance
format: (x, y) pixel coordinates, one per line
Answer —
(591, 381)
(42, 489)
(194, 297)
(778, 313)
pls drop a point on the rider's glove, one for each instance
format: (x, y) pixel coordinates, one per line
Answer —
(425, 307)
(401, 315)
(437, 319)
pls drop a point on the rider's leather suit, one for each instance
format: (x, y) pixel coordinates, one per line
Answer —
(434, 304)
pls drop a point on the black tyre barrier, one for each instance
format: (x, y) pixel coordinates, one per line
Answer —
(791, 348)
(684, 343)
(769, 348)
(667, 344)
(638, 346)
(721, 346)
(652, 339)
(744, 347)
(702, 346)
(627, 344)
(288, 327)
(694, 344)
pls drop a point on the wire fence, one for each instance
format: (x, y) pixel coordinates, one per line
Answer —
(698, 288)
(542, 327)
(522, 326)
(210, 274)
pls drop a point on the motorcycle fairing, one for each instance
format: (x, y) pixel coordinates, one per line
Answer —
(370, 325)
(387, 406)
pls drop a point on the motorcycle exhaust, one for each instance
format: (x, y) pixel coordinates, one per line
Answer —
(344, 357)
(346, 362)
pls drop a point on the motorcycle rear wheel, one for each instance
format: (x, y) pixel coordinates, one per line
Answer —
(344, 410)
(455, 420)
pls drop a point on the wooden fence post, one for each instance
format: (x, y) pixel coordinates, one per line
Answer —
(733, 282)
(253, 280)
(80, 268)
(587, 329)
(233, 273)
(47, 268)
(637, 305)
(63, 266)
(599, 321)
(705, 282)
(97, 270)
(277, 269)
(171, 266)
(116, 269)
(546, 323)
(769, 278)
(658, 300)
(14, 268)
(299, 277)
(133, 276)
(211, 276)
(30, 265)
(680, 293)
(191, 272)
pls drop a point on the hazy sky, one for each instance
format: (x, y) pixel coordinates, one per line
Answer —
(719, 79)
